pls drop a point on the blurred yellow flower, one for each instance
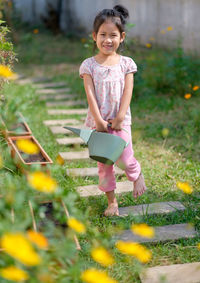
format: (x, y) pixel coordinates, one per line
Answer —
(185, 187)
(35, 31)
(83, 40)
(76, 225)
(60, 160)
(198, 246)
(45, 278)
(6, 73)
(1, 162)
(102, 256)
(196, 87)
(165, 132)
(42, 182)
(143, 230)
(38, 238)
(96, 276)
(187, 95)
(17, 246)
(163, 31)
(14, 273)
(169, 28)
(134, 249)
(148, 45)
(27, 146)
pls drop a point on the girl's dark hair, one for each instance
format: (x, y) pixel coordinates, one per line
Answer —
(117, 15)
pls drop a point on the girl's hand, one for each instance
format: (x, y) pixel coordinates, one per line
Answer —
(116, 124)
(102, 126)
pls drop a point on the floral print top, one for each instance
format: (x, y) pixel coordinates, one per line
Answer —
(109, 84)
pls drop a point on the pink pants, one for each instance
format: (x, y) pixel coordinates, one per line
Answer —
(126, 161)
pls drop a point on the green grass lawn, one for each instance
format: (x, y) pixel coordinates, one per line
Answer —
(164, 160)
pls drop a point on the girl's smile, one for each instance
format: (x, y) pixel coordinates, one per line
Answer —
(108, 38)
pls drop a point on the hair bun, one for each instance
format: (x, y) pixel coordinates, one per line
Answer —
(122, 11)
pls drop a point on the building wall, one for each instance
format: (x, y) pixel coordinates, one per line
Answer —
(151, 18)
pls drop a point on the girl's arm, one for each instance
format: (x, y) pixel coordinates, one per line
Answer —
(101, 125)
(125, 102)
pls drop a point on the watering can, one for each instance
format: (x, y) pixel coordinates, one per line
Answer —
(103, 147)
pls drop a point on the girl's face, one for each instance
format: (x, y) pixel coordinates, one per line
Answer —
(108, 38)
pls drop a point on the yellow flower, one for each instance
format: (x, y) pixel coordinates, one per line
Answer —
(6, 73)
(102, 256)
(35, 31)
(134, 249)
(185, 187)
(60, 160)
(83, 40)
(143, 230)
(96, 276)
(17, 246)
(38, 239)
(165, 132)
(14, 273)
(196, 87)
(198, 246)
(162, 31)
(27, 146)
(42, 182)
(76, 225)
(169, 28)
(1, 162)
(148, 45)
(187, 95)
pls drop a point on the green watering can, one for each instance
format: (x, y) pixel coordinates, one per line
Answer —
(103, 147)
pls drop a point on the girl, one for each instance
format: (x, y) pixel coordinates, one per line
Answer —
(108, 82)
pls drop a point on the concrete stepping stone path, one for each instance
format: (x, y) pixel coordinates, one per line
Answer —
(90, 172)
(32, 80)
(70, 141)
(60, 130)
(53, 84)
(93, 190)
(61, 122)
(57, 96)
(67, 111)
(76, 155)
(65, 103)
(162, 234)
(52, 90)
(176, 273)
(151, 208)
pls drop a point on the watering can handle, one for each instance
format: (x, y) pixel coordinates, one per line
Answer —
(109, 125)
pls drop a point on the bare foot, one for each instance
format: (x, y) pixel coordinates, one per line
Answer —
(139, 186)
(112, 210)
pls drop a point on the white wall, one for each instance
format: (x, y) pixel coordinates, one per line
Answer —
(149, 16)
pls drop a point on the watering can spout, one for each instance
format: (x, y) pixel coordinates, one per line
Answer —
(74, 130)
(84, 134)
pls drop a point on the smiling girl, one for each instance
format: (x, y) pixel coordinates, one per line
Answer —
(108, 81)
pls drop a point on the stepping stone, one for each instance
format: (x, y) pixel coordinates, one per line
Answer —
(76, 155)
(68, 141)
(57, 97)
(162, 234)
(61, 122)
(151, 208)
(176, 273)
(65, 103)
(67, 111)
(52, 90)
(93, 190)
(60, 130)
(83, 172)
(48, 85)
(32, 80)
